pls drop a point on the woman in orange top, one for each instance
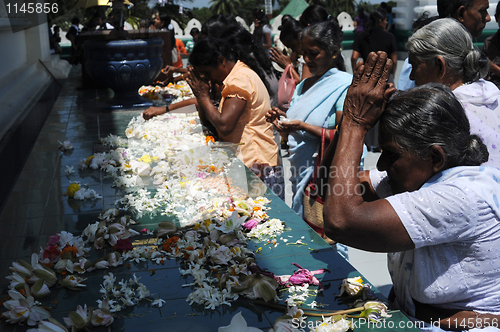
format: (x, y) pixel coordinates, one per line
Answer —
(242, 109)
(181, 51)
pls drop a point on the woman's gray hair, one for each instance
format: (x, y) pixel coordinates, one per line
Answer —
(431, 115)
(449, 39)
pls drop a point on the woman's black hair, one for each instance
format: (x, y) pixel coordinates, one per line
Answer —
(248, 50)
(313, 14)
(374, 20)
(327, 36)
(285, 18)
(290, 31)
(431, 115)
(238, 44)
(214, 26)
(207, 52)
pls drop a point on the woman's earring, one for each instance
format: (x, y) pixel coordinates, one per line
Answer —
(334, 57)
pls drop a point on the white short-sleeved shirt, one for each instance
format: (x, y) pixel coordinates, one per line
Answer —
(456, 260)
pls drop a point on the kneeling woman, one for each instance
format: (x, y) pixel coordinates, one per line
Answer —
(430, 204)
(242, 109)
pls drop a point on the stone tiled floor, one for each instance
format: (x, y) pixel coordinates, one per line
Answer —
(38, 209)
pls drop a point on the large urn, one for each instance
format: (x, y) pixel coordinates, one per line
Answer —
(124, 65)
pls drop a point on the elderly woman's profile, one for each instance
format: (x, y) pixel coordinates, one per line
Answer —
(429, 203)
(443, 52)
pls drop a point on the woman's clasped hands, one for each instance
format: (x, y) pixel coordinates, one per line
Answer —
(369, 92)
(199, 83)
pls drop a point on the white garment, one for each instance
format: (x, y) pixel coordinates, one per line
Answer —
(481, 101)
(455, 225)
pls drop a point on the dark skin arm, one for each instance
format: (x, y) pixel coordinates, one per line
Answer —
(224, 121)
(494, 68)
(285, 128)
(158, 110)
(394, 58)
(268, 42)
(349, 219)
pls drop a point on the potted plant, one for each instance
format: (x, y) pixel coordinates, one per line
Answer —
(121, 62)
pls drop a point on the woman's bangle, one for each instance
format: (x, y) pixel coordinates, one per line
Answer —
(167, 110)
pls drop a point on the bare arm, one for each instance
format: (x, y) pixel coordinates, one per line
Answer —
(394, 58)
(224, 121)
(349, 219)
(494, 68)
(158, 110)
(267, 38)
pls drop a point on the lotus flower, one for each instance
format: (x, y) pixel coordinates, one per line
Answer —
(21, 268)
(252, 223)
(238, 324)
(51, 326)
(47, 274)
(73, 282)
(79, 319)
(256, 286)
(103, 316)
(64, 264)
(333, 324)
(232, 223)
(40, 289)
(166, 228)
(23, 309)
(16, 281)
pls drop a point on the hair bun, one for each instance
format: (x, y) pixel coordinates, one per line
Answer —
(476, 153)
(475, 65)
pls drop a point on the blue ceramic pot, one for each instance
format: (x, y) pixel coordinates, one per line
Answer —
(124, 65)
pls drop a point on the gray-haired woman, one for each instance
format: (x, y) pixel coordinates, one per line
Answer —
(443, 52)
(429, 204)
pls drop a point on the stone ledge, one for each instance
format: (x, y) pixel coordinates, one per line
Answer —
(18, 92)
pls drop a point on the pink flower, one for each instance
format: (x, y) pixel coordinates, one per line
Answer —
(123, 244)
(252, 223)
(201, 175)
(144, 230)
(53, 240)
(304, 276)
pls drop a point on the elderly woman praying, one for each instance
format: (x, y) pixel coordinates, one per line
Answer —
(429, 204)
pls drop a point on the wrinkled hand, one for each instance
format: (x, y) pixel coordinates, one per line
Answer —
(278, 57)
(199, 85)
(153, 111)
(369, 92)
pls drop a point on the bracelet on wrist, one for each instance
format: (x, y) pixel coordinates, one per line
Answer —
(167, 109)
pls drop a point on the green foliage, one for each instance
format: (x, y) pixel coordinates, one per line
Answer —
(335, 7)
(201, 14)
(225, 7)
(368, 7)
